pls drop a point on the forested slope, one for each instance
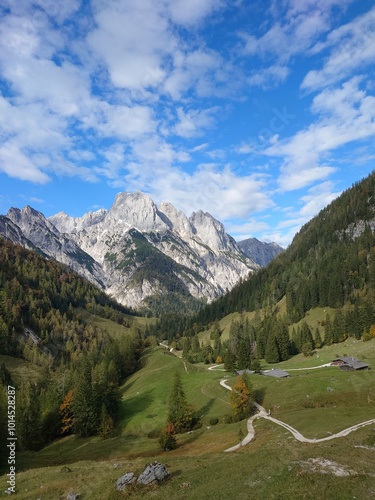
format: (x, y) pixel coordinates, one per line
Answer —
(81, 365)
(331, 261)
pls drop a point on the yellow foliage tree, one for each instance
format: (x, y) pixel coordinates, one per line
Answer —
(67, 414)
(241, 397)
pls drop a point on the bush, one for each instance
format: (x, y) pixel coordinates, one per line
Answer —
(214, 421)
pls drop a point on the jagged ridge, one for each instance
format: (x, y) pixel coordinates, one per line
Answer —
(137, 250)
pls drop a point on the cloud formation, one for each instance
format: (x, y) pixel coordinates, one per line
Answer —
(152, 95)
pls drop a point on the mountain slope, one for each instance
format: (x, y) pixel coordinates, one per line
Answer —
(261, 253)
(143, 255)
(330, 262)
(35, 228)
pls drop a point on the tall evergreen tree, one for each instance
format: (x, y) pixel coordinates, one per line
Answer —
(272, 353)
(85, 410)
(180, 412)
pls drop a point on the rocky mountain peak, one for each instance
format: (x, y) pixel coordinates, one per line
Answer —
(67, 224)
(211, 231)
(136, 210)
(138, 252)
(177, 220)
(29, 219)
(261, 253)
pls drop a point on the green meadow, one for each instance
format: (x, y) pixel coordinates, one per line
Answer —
(316, 402)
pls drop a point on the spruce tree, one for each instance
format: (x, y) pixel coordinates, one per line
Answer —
(180, 413)
(229, 360)
(85, 411)
(272, 353)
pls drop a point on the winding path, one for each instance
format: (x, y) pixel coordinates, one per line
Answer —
(263, 414)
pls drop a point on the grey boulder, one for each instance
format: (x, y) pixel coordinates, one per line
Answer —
(153, 473)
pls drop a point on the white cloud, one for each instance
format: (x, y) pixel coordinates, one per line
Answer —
(16, 164)
(282, 238)
(268, 77)
(352, 48)
(294, 31)
(193, 122)
(59, 10)
(200, 69)
(190, 12)
(246, 229)
(132, 39)
(345, 115)
(217, 190)
(126, 122)
(317, 198)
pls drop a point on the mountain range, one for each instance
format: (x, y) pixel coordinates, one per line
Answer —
(142, 254)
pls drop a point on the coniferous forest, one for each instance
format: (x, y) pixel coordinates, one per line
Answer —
(330, 263)
(80, 365)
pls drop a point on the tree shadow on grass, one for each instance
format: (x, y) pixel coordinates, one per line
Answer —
(133, 406)
(259, 395)
(126, 386)
(206, 408)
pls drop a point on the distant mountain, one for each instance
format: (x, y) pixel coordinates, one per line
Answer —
(259, 252)
(141, 254)
(31, 229)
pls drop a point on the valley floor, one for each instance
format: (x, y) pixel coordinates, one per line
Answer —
(275, 465)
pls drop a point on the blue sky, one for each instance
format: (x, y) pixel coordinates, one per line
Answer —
(259, 112)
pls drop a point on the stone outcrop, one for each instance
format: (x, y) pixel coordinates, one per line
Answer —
(125, 480)
(154, 473)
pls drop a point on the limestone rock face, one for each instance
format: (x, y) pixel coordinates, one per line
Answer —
(67, 224)
(45, 237)
(138, 251)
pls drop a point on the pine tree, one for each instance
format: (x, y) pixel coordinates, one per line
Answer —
(29, 422)
(244, 354)
(328, 335)
(180, 412)
(3, 424)
(229, 360)
(282, 339)
(318, 338)
(272, 353)
(85, 411)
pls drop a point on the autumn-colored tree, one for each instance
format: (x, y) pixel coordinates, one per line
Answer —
(167, 439)
(370, 334)
(241, 397)
(66, 411)
(219, 360)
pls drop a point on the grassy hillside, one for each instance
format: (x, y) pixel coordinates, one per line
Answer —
(273, 466)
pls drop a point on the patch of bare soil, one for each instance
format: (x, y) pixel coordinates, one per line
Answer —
(324, 466)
